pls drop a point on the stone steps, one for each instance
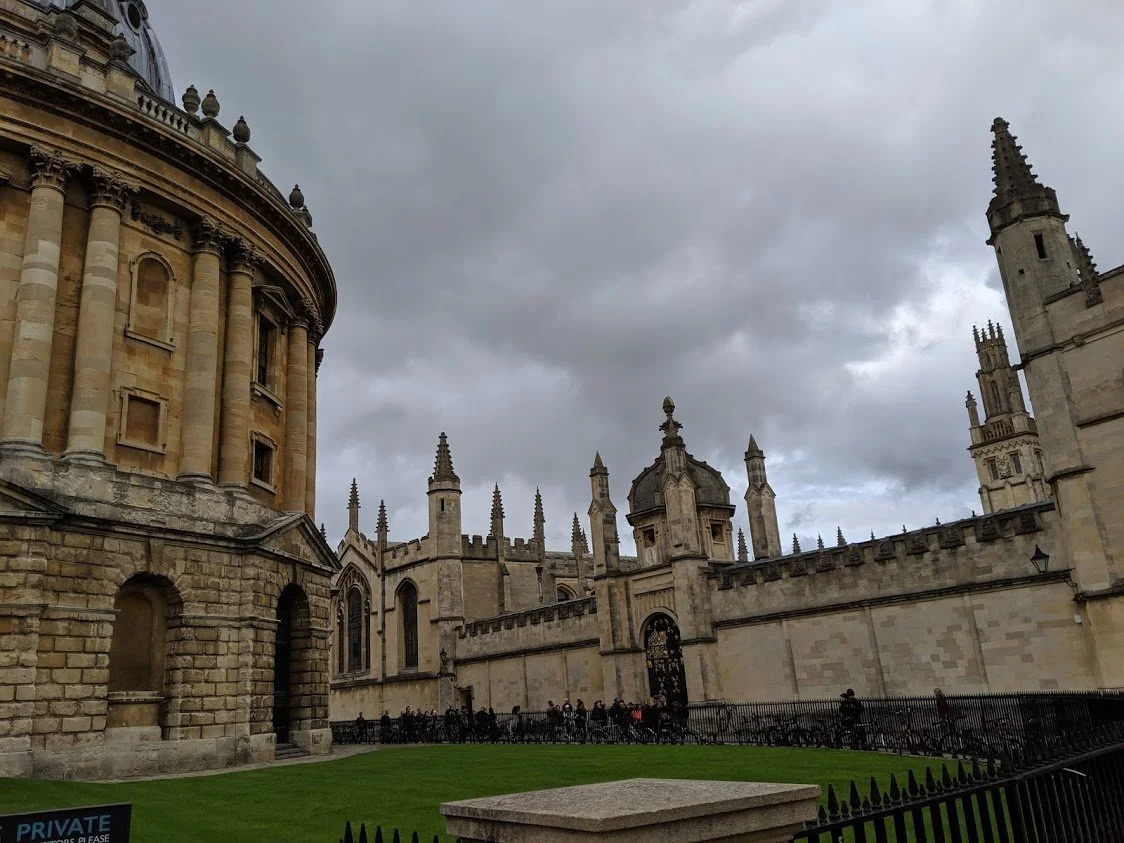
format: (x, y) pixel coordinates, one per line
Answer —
(286, 751)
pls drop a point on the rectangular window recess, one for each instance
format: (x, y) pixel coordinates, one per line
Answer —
(1040, 246)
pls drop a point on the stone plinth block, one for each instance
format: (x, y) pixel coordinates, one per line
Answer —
(638, 811)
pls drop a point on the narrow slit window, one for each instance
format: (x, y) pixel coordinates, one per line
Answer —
(1040, 246)
(1016, 464)
(266, 334)
(263, 463)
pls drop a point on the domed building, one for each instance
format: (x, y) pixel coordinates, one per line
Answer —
(164, 593)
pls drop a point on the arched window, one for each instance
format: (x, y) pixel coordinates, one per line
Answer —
(354, 630)
(408, 609)
(341, 641)
(136, 652)
(562, 594)
(152, 302)
(996, 401)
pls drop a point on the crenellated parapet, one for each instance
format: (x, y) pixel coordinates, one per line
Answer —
(971, 551)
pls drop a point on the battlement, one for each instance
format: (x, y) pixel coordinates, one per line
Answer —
(411, 551)
(938, 547)
(530, 617)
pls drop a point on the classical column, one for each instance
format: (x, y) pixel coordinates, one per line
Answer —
(198, 434)
(93, 351)
(35, 303)
(296, 411)
(238, 350)
(315, 355)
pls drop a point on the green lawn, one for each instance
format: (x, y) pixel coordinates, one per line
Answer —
(403, 786)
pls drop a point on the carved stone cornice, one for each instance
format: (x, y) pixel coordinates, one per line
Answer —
(50, 169)
(315, 329)
(207, 236)
(319, 359)
(108, 189)
(105, 115)
(244, 257)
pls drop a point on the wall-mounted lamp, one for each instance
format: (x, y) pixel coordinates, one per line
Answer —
(1040, 560)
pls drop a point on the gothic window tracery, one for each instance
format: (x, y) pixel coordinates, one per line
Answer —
(408, 611)
(354, 630)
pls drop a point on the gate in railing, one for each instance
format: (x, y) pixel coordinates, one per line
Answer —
(1067, 791)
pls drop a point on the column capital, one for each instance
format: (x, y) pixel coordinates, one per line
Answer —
(319, 359)
(50, 169)
(244, 257)
(307, 310)
(208, 235)
(109, 189)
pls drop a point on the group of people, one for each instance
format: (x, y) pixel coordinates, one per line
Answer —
(620, 720)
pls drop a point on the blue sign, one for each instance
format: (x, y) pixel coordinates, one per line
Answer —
(100, 824)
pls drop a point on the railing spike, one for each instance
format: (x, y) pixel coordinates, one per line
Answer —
(895, 791)
(930, 782)
(976, 774)
(911, 785)
(961, 773)
(855, 799)
(378, 834)
(396, 838)
(363, 833)
(414, 838)
(822, 814)
(875, 794)
(832, 802)
(946, 779)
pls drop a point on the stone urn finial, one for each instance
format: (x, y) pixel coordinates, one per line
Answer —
(210, 105)
(191, 100)
(296, 198)
(119, 49)
(242, 131)
(306, 215)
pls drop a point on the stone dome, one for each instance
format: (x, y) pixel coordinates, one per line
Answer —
(646, 493)
(132, 24)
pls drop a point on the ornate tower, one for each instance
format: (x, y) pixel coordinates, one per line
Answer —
(603, 521)
(1005, 446)
(1064, 315)
(760, 503)
(444, 503)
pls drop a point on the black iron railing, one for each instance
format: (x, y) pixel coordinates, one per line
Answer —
(1068, 789)
(396, 836)
(959, 726)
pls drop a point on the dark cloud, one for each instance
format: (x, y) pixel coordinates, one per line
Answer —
(545, 216)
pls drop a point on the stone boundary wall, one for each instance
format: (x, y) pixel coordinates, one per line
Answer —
(559, 625)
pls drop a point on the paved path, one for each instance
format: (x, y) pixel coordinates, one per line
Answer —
(336, 753)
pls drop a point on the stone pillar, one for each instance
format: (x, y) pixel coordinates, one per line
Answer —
(315, 355)
(198, 436)
(638, 811)
(296, 413)
(238, 352)
(93, 351)
(35, 303)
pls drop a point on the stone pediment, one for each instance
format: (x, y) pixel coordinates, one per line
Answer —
(296, 537)
(16, 500)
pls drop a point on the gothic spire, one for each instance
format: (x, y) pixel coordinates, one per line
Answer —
(1014, 179)
(839, 540)
(795, 544)
(1087, 271)
(1012, 174)
(323, 531)
(819, 541)
(539, 537)
(443, 464)
(497, 513)
(743, 551)
(576, 536)
(382, 527)
(753, 450)
(353, 507)
(598, 465)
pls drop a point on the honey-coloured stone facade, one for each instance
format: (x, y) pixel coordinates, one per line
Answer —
(164, 594)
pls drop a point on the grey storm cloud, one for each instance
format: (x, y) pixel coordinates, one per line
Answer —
(543, 217)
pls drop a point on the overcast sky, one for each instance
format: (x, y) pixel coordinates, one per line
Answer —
(544, 216)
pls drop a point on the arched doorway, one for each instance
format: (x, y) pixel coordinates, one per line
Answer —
(664, 660)
(291, 668)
